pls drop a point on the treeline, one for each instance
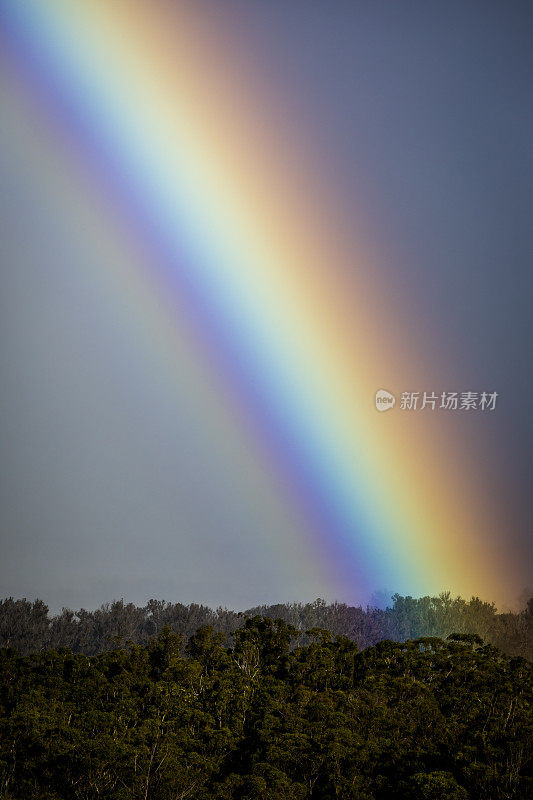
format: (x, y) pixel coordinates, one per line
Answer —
(260, 718)
(28, 627)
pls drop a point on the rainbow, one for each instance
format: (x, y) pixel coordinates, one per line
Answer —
(233, 242)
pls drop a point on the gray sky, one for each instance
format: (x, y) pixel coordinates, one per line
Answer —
(107, 488)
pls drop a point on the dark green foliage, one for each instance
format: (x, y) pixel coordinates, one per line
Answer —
(261, 717)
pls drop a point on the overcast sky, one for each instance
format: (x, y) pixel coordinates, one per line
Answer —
(107, 489)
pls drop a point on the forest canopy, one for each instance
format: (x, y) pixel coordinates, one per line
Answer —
(258, 716)
(28, 627)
